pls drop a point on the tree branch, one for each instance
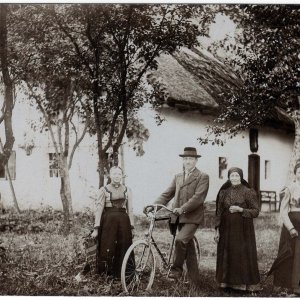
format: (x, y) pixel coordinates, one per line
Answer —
(78, 141)
(71, 38)
(112, 129)
(143, 71)
(122, 132)
(74, 129)
(40, 106)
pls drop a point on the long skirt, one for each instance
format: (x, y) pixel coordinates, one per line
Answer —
(286, 267)
(114, 239)
(236, 253)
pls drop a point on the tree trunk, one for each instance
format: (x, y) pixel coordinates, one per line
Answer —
(115, 157)
(122, 163)
(11, 184)
(101, 168)
(97, 117)
(65, 204)
(67, 187)
(66, 196)
(8, 88)
(296, 150)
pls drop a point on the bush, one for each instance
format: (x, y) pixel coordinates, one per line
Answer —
(42, 220)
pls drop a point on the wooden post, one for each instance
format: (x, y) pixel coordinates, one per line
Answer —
(254, 163)
(10, 183)
(253, 171)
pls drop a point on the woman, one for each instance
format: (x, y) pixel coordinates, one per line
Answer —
(237, 205)
(286, 267)
(113, 224)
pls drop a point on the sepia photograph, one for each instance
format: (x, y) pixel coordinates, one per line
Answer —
(150, 149)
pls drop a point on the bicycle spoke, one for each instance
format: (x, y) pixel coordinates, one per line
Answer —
(138, 267)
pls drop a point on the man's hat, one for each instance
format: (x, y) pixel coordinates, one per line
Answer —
(190, 152)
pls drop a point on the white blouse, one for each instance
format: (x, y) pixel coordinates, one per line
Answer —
(104, 201)
(290, 202)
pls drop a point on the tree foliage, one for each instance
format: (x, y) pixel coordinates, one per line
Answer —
(45, 67)
(265, 55)
(115, 46)
(92, 60)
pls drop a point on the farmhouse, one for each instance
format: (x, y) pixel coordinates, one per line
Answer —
(193, 81)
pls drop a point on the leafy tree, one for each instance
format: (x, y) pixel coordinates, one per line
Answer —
(116, 46)
(8, 81)
(44, 64)
(265, 55)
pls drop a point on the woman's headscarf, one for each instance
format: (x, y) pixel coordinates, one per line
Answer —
(228, 183)
(237, 170)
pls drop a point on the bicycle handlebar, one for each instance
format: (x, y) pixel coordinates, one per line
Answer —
(155, 207)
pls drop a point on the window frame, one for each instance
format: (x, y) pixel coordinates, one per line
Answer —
(54, 172)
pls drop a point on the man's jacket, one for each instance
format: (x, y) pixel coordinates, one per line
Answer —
(188, 194)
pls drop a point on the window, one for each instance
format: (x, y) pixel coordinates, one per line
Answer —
(53, 166)
(222, 167)
(267, 169)
(11, 164)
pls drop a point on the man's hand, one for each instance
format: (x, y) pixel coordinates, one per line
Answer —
(94, 233)
(177, 211)
(293, 233)
(235, 209)
(148, 209)
(132, 231)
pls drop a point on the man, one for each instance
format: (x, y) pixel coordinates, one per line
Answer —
(189, 190)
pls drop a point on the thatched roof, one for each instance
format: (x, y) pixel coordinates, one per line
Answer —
(195, 79)
(179, 84)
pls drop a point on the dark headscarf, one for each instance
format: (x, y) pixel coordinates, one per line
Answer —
(228, 183)
(237, 170)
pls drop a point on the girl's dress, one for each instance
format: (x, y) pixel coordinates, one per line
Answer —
(114, 217)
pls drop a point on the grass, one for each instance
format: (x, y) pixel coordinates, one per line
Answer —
(45, 263)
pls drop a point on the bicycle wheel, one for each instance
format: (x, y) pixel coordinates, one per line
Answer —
(138, 268)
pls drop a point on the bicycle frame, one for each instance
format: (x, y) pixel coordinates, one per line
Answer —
(138, 273)
(149, 237)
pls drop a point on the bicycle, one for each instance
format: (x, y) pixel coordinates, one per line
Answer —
(139, 263)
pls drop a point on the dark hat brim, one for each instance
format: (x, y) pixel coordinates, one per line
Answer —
(189, 155)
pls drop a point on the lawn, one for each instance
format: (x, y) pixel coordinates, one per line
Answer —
(45, 262)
